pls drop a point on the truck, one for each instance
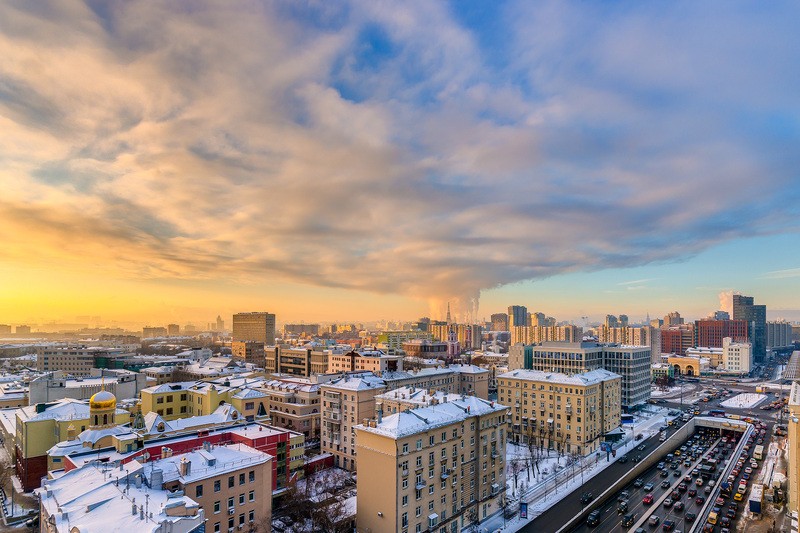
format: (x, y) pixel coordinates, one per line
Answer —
(756, 499)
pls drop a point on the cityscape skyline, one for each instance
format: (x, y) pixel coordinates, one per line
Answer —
(164, 163)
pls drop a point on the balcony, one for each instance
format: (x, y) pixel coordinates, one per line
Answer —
(405, 472)
(568, 409)
(445, 474)
(420, 486)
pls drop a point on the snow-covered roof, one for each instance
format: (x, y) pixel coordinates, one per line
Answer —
(170, 387)
(418, 396)
(208, 462)
(586, 378)
(88, 500)
(356, 383)
(63, 409)
(419, 420)
(222, 414)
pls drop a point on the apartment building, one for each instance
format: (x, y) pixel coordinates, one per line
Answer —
(404, 398)
(294, 403)
(793, 443)
(74, 360)
(459, 379)
(567, 413)
(57, 385)
(394, 339)
(248, 352)
(375, 361)
(231, 483)
(737, 357)
(632, 363)
(438, 468)
(346, 402)
(296, 361)
(193, 398)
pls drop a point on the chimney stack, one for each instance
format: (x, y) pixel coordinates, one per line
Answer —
(379, 411)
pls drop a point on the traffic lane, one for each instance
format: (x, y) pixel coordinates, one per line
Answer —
(611, 519)
(553, 519)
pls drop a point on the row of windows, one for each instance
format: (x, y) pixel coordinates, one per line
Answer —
(231, 501)
(251, 476)
(251, 517)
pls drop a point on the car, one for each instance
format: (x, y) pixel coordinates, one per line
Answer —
(623, 496)
(675, 495)
(623, 459)
(637, 458)
(676, 473)
(690, 517)
(654, 520)
(692, 493)
(639, 483)
(665, 484)
(738, 496)
(668, 502)
(648, 499)
(660, 465)
(678, 506)
(687, 462)
(725, 521)
(682, 487)
(745, 476)
(687, 478)
(700, 500)
(719, 501)
(731, 513)
(641, 447)
(586, 497)
(622, 507)
(668, 525)
(708, 489)
(628, 520)
(593, 519)
(648, 487)
(664, 473)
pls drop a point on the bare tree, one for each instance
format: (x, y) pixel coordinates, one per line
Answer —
(332, 518)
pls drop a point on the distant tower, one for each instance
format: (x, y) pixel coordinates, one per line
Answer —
(449, 320)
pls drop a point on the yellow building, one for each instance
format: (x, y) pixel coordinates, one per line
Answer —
(430, 469)
(569, 413)
(193, 398)
(687, 365)
(39, 427)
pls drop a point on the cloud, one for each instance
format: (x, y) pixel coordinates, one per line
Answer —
(392, 148)
(782, 274)
(636, 281)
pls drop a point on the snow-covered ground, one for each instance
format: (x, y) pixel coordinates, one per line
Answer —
(744, 400)
(559, 476)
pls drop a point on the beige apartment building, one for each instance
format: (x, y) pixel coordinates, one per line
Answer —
(248, 352)
(568, 413)
(458, 379)
(232, 484)
(294, 403)
(345, 403)
(404, 398)
(438, 468)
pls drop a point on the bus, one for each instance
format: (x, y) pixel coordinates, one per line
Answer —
(758, 452)
(716, 412)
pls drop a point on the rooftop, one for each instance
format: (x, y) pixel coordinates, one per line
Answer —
(585, 379)
(355, 383)
(208, 462)
(423, 419)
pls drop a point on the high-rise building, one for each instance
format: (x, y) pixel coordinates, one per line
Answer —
(151, 332)
(517, 316)
(311, 330)
(737, 356)
(709, 333)
(611, 321)
(258, 327)
(779, 335)
(677, 339)
(673, 319)
(5, 329)
(173, 330)
(499, 322)
(248, 352)
(23, 330)
(220, 324)
(756, 317)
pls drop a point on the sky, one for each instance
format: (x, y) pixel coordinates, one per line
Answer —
(330, 161)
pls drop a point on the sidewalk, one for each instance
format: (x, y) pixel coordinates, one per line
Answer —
(549, 490)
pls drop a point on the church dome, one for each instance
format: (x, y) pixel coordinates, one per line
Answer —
(102, 400)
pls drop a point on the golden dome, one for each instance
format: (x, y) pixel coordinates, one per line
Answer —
(103, 400)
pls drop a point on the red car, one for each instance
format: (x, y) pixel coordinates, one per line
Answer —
(648, 499)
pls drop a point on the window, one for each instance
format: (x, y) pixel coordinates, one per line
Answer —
(419, 444)
(241, 478)
(217, 486)
(241, 499)
(216, 527)
(251, 496)
(252, 475)
(251, 516)
(404, 519)
(198, 491)
(216, 507)
(405, 500)
(241, 519)
(169, 410)
(431, 440)
(230, 502)
(230, 482)
(231, 523)
(169, 397)
(405, 448)
(418, 511)
(159, 400)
